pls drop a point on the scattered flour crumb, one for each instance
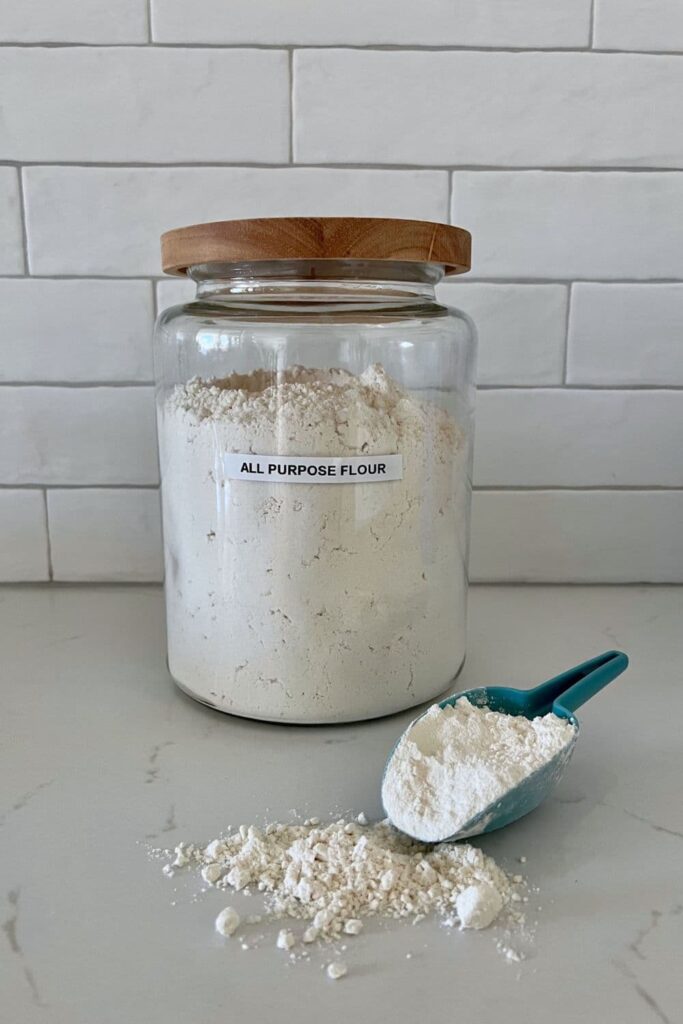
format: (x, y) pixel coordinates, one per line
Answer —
(213, 850)
(227, 921)
(181, 858)
(285, 939)
(513, 955)
(336, 970)
(211, 873)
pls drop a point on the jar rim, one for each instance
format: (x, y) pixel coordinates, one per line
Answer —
(317, 238)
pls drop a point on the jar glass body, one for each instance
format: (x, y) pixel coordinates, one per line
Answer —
(292, 594)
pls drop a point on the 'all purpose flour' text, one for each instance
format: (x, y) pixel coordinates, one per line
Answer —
(313, 469)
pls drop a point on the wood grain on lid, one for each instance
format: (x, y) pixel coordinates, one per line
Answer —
(316, 238)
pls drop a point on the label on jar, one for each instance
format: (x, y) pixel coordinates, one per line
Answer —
(310, 469)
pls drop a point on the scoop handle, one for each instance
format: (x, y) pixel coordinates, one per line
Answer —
(579, 684)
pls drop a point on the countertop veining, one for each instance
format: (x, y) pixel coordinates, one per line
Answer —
(101, 758)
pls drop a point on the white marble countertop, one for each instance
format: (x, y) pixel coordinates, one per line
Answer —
(100, 757)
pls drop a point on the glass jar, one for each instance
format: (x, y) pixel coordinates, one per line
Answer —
(315, 414)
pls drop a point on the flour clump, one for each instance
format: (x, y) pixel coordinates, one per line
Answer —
(313, 602)
(478, 906)
(455, 761)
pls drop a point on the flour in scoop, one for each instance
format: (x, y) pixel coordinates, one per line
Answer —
(455, 761)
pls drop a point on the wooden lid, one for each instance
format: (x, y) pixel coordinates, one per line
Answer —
(316, 238)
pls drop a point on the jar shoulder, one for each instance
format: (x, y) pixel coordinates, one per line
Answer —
(420, 314)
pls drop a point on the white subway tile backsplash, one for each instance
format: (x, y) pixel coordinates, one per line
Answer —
(54, 435)
(577, 288)
(358, 23)
(577, 536)
(11, 243)
(73, 21)
(576, 438)
(521, 329)
(639, 24)
(144, 104)
(76, 331)
(105, 534)
(23, 552)
(510, 109)
(108, 220)
(626, 334)
(551, 224)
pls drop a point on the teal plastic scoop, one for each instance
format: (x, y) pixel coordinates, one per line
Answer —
(562, 695)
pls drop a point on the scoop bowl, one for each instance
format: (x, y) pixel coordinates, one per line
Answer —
(562, 695)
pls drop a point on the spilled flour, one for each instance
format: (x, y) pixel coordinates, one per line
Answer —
(455, 761)
(326, 880)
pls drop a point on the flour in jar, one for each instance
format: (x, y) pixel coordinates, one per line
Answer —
(307, 602)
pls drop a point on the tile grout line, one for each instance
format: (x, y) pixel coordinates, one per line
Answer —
(78, 487)
(22, 216)
(148, 14)
(148, 385)
(368, 48)
(618, 389)
(506, 281)
(290, 65)
(577, 488)
(565, 355)
(104, 585)
(591, 28)
(155, 302)
(477, 488)
(78, 385)
(50, 567)
(331, 165)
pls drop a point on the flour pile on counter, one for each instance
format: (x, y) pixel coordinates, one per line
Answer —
(332, 877)
(457, 760)
(297, 591)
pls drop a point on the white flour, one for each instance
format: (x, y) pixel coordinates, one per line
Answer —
(332, 877)
(313, 602)
(456, 761)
